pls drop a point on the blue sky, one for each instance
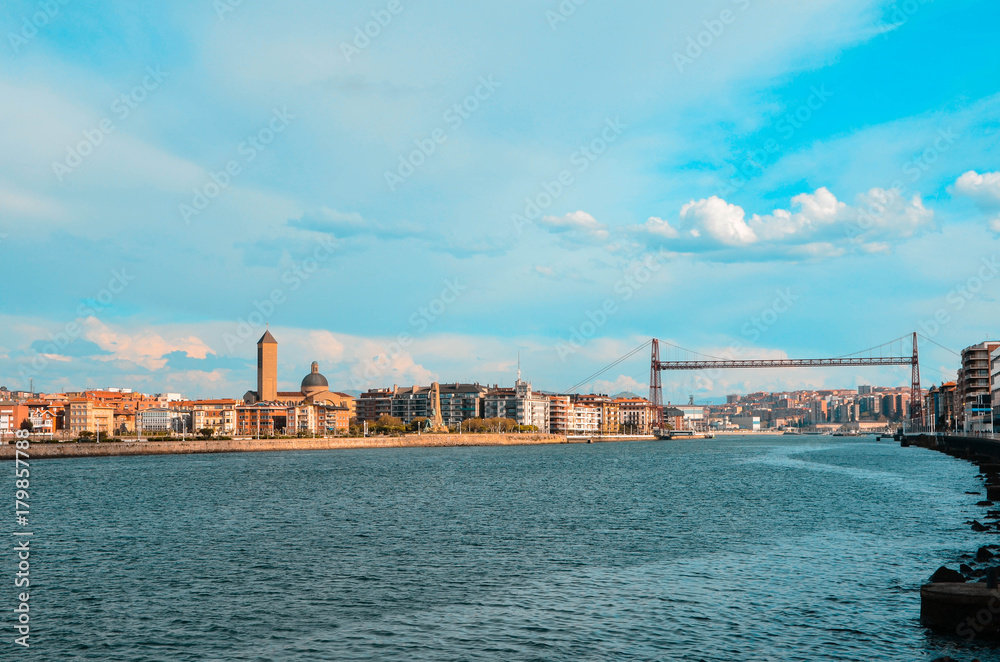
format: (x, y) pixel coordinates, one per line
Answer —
(473, 182)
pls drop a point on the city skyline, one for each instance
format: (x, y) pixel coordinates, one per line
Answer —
(773, 186)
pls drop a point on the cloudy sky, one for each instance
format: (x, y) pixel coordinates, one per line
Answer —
(410, 192)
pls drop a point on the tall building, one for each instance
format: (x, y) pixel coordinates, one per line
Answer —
(518, 404)
(995, 385)
(974, 387)
(267, 368)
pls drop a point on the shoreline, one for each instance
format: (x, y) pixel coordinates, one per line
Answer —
(56, 450)
(962, 603)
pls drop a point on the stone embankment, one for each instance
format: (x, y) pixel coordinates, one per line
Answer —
(73, 449)
(965, 603)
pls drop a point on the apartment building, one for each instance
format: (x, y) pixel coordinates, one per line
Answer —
(608, 411)
(976, 411)
(375, 403)
(636, 415)
(561, 417)
(217, 415)
(86, 415)
(261, 418)
(161, 419)
(12, 415)
(586, 419)
(519, 404)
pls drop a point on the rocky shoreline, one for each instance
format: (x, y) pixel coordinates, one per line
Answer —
(965, 603)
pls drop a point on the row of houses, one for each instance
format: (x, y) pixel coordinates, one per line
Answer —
(558, 414)
(315, 410)
(223, 417)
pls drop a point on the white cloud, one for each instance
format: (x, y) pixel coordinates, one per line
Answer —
(578, 224)
(983, 188)
(817, 224)
(815, 211)
(724, 222)
(662, 228)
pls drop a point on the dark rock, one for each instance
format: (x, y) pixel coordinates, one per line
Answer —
(984, 555)
(976, 493)
(966, 569)
(976, 526)
(984, 503)
(946, 575)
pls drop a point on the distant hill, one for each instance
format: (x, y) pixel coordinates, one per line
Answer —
(627, 394)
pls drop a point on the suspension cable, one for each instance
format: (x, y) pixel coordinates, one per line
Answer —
(609, 366)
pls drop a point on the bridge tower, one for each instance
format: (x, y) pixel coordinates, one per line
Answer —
(655, 386)
(916, 404)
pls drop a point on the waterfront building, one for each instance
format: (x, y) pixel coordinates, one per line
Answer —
(973, 385)
(674, 418)
(636, 415)
(314, 389)
(375, 403)
(995, 386)
(949, 405)
(586, 418)
(518, 404)
(460, 402)
(453, 402)
(318, 419)
(124, 421)
(262, 418)
(216, 415)
(87, 415)
(608, 411)
(818, 413)
(267, 368)
(561, 417)
(12, 414)
(44, 419)
(751, 423)
(694, 416)
(162, 419)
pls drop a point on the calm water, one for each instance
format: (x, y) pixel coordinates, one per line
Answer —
(730, 549)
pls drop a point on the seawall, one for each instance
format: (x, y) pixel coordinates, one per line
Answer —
(73, 449)
(970, 448)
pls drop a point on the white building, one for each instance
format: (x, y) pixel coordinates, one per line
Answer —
(751, 423)
(165, 420)
(585, 419)
(694, 416)
(518, 404)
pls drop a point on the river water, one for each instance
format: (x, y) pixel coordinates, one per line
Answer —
(763, 548)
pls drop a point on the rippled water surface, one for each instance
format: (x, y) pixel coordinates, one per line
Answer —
(767, 548)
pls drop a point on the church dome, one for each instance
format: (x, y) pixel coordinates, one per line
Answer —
(314, 382)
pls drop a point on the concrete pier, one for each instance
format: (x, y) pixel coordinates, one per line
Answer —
(964, 610)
